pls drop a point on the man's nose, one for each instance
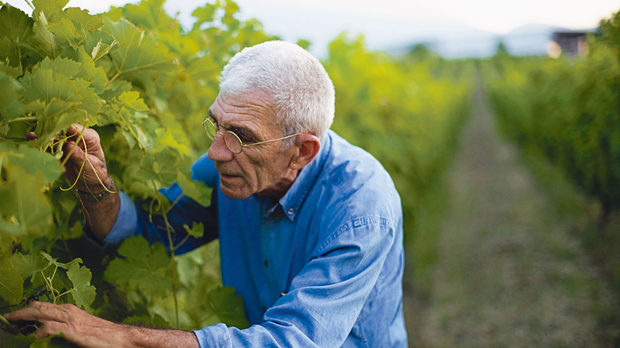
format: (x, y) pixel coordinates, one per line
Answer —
(219, 152)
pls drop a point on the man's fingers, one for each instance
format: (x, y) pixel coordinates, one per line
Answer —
(30, 312)
(74, 130)
(71, 149)
(50, 328)
(39, 311)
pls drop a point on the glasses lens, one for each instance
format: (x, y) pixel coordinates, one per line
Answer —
(210, 128)
(232, 142)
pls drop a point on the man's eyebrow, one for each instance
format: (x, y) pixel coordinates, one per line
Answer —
(241, 131)
(211, 114)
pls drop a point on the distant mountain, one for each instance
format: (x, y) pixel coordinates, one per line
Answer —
(529, 39)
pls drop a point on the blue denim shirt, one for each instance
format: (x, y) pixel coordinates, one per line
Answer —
(322, 267)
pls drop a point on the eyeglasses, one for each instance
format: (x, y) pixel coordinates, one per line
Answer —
(231, 139)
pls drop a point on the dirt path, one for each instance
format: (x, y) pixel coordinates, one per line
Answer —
(510, 274)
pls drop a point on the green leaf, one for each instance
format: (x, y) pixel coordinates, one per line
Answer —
(10, 98)
(61, 65)
(226, 307)
(11, 282)
(15, 28)
(153, 320)
(196, 190)
(196, 231)
(51, 8)
(32, 161)
(90, 72)
(83, 20)
(3, 320)
(83, 293)
(137, 51)
(28, 264)
(144, 268)
(42, 39)
(46, 84)
(167, 139)
(56, 341)
(131, 99)
(12, 71)
(17, 341)
(160, 166)
(25, 202)
(65, 31)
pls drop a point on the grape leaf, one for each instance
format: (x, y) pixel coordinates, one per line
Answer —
(136, 50)
(83, 293)
(196, 231)
(11, 105)
(196, 190)
(45, 84)
(61, 65)
(28, 264)
(84, 21)
(50, 7)
(65, 31)
(32, 161)
(11, 282)
(26, 201)
(42, 39)
(90, 72)
(144, 268)
(15, 27)
(165, 138)
(56, 341)
(225, 306)
(17, 341)
(132, 100)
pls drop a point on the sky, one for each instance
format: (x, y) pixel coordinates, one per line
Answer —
(388, 23)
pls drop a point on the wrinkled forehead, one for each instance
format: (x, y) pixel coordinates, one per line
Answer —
(255, 107)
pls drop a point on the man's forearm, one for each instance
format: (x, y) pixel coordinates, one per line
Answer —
(87, 330)
(100, 215)
(146, 337)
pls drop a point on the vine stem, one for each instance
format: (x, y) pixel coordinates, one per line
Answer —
(86, 159)
(3, 320)
(173, 261)
(19, 119)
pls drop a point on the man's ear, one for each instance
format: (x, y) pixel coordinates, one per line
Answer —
(308, 147)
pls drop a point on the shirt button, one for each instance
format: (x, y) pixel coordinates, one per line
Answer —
(291, 211)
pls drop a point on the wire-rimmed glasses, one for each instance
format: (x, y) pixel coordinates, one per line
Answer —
(232, 140)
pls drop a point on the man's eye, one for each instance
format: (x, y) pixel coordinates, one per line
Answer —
(244, 138)
(242, 134)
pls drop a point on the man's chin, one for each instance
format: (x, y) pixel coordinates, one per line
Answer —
(233, 193)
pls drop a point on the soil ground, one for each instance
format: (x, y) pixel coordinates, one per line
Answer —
(510, 273)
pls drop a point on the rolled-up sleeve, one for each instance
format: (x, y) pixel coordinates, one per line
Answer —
(125, 224)
(325, 299)
(133, 221)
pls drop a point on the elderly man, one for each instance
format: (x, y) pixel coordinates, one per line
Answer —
(310, 227)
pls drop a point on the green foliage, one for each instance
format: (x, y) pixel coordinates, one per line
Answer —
(568, 111)
(407, 112)
(144, 82)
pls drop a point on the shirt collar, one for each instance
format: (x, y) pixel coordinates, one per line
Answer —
(296, 194)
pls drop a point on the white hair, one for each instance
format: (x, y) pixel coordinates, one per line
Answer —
(302, 92)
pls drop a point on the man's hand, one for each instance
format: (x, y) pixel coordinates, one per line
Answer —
(87, 330)
(100, 204)
(84, 149)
